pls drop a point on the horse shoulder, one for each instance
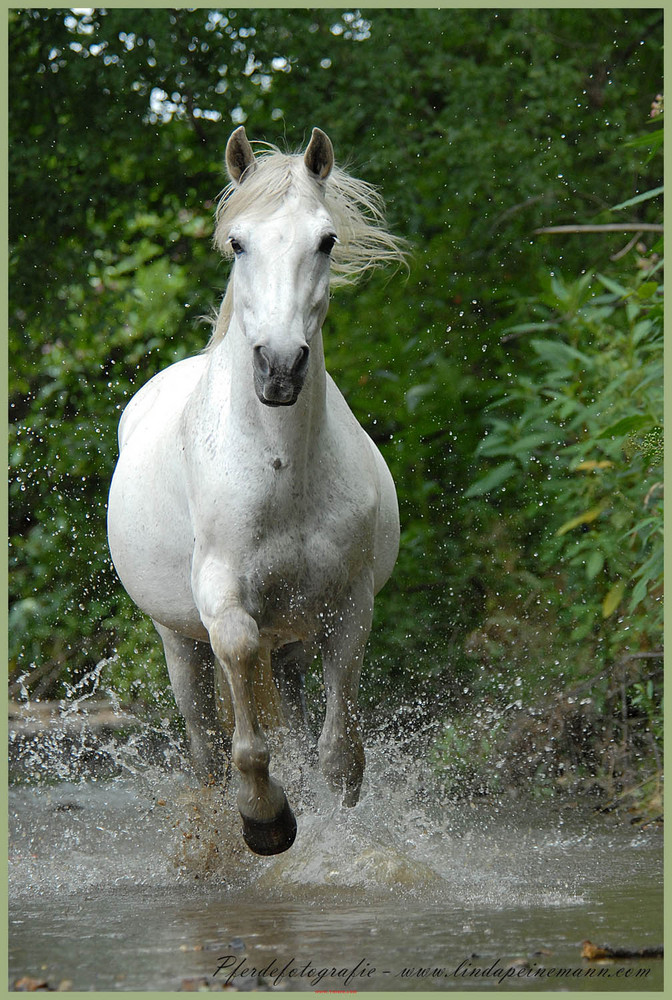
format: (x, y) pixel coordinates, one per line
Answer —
(149, 525)
(162, 395)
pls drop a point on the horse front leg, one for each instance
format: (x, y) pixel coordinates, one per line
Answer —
(340, 745)
(269, 826)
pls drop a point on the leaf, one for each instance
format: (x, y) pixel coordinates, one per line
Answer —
(645, 196)
(493, 446)
(585, 518)
(626, 425)
(639, 593)
(521, 328)
(491, 481)
(653, 141)
(614, 287)
(648, 289)
(590, 466)
(594, 564)
(558, 350)
(417, 393)
(641, 330)
(613, 599)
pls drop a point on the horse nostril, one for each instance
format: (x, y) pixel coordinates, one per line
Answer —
(262, 361)
(301, 361)
(268, 365)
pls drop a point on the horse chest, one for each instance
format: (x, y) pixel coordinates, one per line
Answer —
(305, 539)
(292, 523)
(303, 549)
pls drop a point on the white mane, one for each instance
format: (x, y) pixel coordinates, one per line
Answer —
(355, 207)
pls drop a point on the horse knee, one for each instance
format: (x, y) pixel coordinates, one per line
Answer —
(234, 637)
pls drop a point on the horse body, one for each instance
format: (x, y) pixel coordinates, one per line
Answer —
(249, 513)
(317, 503)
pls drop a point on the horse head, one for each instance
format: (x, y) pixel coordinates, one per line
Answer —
(282, 244)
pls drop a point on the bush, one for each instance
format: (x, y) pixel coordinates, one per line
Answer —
(577, 440)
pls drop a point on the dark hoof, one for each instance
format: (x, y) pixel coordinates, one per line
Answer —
(272, 836)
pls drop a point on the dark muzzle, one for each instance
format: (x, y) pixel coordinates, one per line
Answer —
(278, 380)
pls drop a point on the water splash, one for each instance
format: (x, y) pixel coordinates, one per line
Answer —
(114, 846)
(107, 806)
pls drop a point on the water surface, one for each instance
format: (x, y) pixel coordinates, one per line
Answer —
(142, 883)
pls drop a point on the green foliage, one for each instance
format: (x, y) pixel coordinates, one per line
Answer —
(647, 697)
(480, 127)
(578, 439)
(70, 611)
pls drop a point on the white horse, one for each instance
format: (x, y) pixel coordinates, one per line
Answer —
(250, 515)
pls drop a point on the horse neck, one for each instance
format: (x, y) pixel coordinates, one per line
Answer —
(292, 431)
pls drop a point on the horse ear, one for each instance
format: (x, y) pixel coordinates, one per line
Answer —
(319, 157)
(239, 155)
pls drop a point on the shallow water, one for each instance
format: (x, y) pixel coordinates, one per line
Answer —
(142, 882)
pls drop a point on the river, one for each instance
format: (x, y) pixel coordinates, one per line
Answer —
(140, 882)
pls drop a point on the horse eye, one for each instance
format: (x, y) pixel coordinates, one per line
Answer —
(235, 246)
(327, 244)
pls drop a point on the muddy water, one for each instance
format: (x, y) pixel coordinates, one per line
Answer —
(139, 883)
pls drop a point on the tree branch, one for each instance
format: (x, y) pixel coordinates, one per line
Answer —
(611, 227)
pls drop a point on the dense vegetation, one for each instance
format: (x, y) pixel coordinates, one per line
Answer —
(513, 379)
